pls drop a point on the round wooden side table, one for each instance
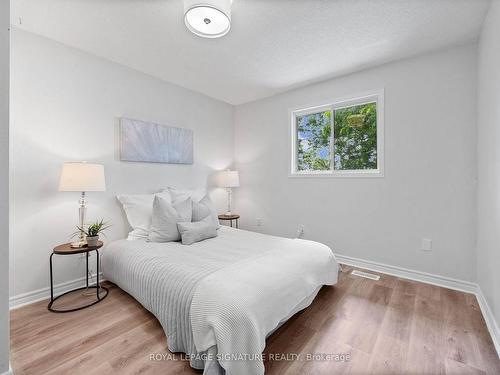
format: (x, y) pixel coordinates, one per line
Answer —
(66, 249)
(230, 218)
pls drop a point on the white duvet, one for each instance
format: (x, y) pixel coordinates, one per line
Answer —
(224, 295)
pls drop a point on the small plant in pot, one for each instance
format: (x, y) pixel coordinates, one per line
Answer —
(92, 232)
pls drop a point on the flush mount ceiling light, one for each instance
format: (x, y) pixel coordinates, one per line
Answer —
(208, 18)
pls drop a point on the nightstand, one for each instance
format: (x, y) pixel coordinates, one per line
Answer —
(230, 218)
(66, 249)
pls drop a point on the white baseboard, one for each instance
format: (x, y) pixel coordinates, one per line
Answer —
(442, 281)
(44, 293)
(424, 277)
(491, 322)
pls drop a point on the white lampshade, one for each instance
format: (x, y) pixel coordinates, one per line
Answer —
(228, 179)
(208, 18)
(82, 177)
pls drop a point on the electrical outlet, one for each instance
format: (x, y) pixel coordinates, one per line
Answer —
(258, 221)
(426, 244)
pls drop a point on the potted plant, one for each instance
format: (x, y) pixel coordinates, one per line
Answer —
(92, 232)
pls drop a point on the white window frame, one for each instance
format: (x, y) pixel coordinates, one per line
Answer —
(376, 96)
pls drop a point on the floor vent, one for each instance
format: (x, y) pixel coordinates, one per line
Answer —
(366, 275)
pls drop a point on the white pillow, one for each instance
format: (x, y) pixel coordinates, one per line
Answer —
(180, 194)
(139, 209)
(197, 231)
(205, 208)
(197, 196)
(165, 219)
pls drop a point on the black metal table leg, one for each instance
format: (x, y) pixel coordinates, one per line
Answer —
(87, 269)
(86, 287)
(97, 277)
(51, 281)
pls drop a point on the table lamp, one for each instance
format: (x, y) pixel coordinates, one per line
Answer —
(82, 177)
(228, 179)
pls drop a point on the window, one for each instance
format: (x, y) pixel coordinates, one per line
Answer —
(343, 139)
(314, 141)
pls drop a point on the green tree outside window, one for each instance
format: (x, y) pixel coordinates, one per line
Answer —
(355, 134)
(355, 139)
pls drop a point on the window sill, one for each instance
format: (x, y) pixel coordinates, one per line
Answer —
(339, 174)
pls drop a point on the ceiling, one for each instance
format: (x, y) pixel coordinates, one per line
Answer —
(273, 45)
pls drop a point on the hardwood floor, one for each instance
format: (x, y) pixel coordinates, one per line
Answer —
(390, 326)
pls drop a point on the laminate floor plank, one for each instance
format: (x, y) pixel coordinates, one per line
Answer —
(359, 326)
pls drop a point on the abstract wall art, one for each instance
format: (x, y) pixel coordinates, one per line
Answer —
(154, 143)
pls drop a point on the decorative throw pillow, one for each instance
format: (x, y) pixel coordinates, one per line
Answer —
(197, 231)
(165, 219)
(139, 209)
(205, 208)
(197, 196)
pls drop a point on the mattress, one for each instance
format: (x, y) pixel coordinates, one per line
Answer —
(194, 290)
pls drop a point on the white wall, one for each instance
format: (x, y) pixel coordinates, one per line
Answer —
(4, 186)
(488, 244)
(65, 106)
(429, 186)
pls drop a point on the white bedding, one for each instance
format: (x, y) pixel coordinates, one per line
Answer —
(223, 295)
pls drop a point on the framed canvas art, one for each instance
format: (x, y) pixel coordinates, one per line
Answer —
(142, 141)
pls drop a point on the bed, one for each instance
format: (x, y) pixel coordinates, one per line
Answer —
(217, 300)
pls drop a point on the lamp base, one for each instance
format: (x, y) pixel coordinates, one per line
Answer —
(81, 242)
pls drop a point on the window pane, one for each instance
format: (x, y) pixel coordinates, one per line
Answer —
(355, 145)
(313, 141)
